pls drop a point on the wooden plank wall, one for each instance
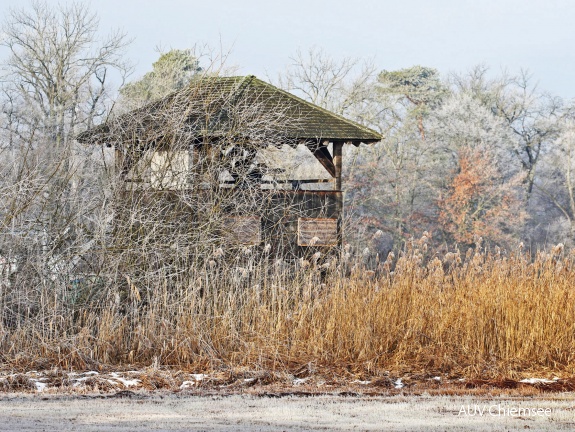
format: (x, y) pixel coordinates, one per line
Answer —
(288, 220)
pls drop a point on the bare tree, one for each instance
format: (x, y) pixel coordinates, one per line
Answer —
(58, 69)
(56, 82)
(343, 86)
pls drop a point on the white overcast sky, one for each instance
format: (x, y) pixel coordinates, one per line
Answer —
(450, 35)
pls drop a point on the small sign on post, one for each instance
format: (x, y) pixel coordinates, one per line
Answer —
(317, 232)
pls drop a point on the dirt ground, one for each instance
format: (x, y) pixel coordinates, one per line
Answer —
(144, 411)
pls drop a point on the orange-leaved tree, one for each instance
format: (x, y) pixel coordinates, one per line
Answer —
(479, 201)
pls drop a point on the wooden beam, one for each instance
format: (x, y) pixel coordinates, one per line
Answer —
(324, 157)
(337, 161)
(303, 181)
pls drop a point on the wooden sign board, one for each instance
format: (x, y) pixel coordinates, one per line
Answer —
(317, 232)
(245, 230)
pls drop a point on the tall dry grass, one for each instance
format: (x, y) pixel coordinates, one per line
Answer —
(483, 314)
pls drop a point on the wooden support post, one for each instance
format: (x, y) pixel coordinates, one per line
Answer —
(337, 151)
(119, 163)
(337, 161)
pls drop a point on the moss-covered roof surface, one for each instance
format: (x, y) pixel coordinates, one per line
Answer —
(247, 106)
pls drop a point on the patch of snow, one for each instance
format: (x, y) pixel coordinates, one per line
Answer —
(129, 383)
(187, 384)
(537, 381)
(199, 377)
(398, 384)
(125, 382)
(299, 381)
(81, 380)
(91, 373)
(40, 386)
(361, 382)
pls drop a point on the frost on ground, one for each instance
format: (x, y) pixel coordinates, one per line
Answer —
(157, 399)
(128, 411)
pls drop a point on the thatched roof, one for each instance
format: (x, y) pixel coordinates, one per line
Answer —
(209, 102)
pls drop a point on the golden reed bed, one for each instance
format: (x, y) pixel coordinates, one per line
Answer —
(487, 315)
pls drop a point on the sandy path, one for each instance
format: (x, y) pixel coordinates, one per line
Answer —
(250, 413)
